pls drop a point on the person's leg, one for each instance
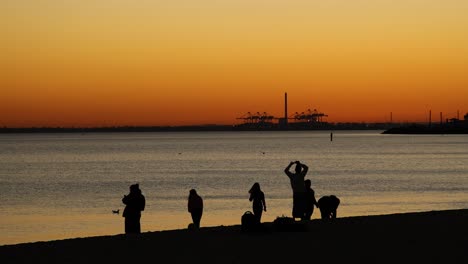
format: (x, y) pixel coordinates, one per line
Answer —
(132, 224)
(137, 224)
(308, 214)
(298, 205)
(258, 214)
(326, 213)
(303, 206)
(200, 217)
(295, 208)
(127, 225)
(196, 217)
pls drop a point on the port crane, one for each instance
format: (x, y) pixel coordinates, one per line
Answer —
(308, 116)
(257, 118)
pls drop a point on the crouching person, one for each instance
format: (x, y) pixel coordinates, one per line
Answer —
(328, 206)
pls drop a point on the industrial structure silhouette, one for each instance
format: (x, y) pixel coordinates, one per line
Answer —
(307, 119)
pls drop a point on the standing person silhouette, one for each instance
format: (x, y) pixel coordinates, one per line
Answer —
(310, 200)
(195, 207)
(298, 188)
(257, 197)
(135, 203)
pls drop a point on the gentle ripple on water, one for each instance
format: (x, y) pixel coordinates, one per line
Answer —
(57, 186)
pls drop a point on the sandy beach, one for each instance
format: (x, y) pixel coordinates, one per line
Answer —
(424, 237)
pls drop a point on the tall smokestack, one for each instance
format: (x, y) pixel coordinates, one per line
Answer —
(286, 108)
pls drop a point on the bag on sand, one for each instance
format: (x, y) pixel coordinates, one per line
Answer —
(248, 221)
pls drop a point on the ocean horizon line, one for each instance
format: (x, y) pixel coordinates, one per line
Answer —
(200, 127)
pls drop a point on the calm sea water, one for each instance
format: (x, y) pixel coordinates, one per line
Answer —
(55, 186)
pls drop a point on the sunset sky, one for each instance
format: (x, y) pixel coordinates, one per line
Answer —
(179, 62)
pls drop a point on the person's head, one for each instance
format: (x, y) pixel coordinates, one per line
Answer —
(255, 188)
(307, 183)
(298, 167)
(193, 192)
(134, 188)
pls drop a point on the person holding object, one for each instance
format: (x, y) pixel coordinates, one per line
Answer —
(195, 207)
(257, 197)
(135, 203)
(298, 188)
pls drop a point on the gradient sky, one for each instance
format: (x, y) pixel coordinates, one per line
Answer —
(173, 62)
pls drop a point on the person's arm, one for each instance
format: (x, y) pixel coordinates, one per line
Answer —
(286, 170)
(264, 203)
(305, 169)
(314, 201)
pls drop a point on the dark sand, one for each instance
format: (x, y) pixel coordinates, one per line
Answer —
(427, 237)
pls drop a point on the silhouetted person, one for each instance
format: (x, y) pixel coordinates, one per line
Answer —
(298, 188)
(310, 200)
(328, 206)
(195, 207)
(257, 197)
(135, 203)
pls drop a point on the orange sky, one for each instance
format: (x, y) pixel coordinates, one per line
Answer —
(142, 62)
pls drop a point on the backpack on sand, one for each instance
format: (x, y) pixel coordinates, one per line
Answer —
(248, 221)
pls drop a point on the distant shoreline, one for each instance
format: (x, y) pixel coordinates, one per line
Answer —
(387, 128)
(195, 128)
(428, 130)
